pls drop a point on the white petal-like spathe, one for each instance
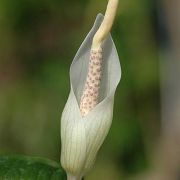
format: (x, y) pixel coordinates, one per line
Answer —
(81, 137)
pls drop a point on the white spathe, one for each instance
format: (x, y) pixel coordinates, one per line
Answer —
(81, 137)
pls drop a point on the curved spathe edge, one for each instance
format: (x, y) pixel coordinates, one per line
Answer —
(79, 66)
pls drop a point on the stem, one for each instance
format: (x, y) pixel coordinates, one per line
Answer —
(106, 25)
(72, 177)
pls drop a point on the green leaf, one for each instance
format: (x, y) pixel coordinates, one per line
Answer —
(26, 168)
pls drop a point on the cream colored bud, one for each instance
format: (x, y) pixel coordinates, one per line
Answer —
(83, 135)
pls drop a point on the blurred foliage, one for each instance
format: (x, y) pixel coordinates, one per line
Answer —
(38, 42)
(24, 167)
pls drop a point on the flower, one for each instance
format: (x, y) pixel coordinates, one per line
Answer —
(82, 136)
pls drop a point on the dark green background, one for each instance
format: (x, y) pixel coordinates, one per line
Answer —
(38, 40)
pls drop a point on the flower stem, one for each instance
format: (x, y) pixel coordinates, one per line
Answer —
(72, 177)
(106, 25)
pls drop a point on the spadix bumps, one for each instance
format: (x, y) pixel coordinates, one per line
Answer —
(90, 95)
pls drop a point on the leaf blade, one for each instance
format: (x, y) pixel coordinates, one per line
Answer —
(14, 167)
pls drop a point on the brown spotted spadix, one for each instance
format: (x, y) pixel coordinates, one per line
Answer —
(90, 96)
(86, 119)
